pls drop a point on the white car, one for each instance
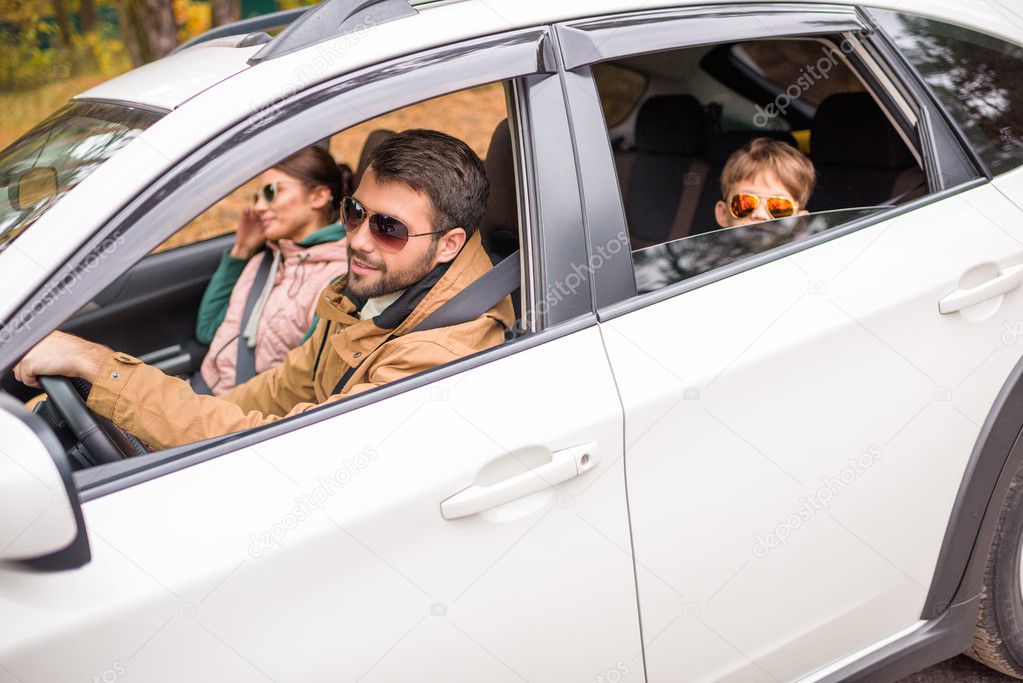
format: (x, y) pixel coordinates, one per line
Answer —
(787, 451)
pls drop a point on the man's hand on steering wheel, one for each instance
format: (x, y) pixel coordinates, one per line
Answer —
(62, 355)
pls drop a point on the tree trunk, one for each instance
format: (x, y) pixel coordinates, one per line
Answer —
(63, 18)
(87, 15)
(147, 28)
(225, 11)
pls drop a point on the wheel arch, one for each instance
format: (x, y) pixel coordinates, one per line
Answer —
(997, 453)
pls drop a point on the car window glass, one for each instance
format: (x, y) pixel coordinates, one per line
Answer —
(670, 262)
(52, 158)
(620, 90)
(977, 77)
(470, 115)
(703, 109)
(806, 64)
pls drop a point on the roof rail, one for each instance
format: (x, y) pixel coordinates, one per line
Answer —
(331, 19)
(246, 26)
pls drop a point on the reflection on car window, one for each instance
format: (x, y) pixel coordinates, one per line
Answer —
(59, 153)
(670, 262)
(785, 62)
(977, 77)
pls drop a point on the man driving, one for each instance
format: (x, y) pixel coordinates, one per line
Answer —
(413, 244)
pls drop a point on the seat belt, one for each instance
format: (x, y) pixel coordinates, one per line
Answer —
(477, 298)
(245, 365)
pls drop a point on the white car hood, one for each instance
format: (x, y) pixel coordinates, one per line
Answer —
(170, 82)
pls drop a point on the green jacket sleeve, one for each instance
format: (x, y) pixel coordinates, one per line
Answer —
(213, 306)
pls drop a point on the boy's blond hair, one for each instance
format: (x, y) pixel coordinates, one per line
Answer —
(791, 166)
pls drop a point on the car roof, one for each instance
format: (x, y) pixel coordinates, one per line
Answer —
(173, 80)
(169, 82)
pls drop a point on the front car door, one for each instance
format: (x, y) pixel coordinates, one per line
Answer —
(317, 548)
(797, 419)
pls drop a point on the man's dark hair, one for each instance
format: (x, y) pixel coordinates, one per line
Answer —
(444, 168)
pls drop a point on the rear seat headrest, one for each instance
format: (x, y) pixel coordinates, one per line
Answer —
(499, 230)
(849, 129)
(672, 124)
(372, 140)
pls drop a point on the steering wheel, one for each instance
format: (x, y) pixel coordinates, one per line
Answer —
(105, 441)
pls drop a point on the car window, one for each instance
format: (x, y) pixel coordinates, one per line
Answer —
(830, 147)
(620, 90)
(785, 62)
(52, 158)
(670, 262)
(977, 77)
(470, 115)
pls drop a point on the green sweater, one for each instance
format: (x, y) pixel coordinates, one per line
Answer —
(213, 306)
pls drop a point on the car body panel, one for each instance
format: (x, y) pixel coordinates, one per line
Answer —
(324, 549)
(828, 400)
(169, 82)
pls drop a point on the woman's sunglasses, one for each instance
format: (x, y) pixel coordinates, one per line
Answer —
(743, 204)
(268, 193)
(389, 232)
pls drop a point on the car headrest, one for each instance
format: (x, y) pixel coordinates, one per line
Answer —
(672, 124)
(372, 140)
(850, 129)
(499, 230)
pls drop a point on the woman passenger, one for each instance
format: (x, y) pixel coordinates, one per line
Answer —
(261, 301)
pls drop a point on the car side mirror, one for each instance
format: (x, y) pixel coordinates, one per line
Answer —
(33, 187)
(41, 522)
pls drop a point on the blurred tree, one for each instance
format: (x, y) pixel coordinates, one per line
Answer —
(225, 11)
(87, 15)
(148, 29)
(63, 17)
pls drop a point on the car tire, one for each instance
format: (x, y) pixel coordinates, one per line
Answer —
(998, 640)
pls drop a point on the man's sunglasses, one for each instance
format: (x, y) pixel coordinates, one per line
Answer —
(389, 232)
(743, 204)
(268, 193)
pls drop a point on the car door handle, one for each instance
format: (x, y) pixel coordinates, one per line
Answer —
(563, 465)
(1007, 280)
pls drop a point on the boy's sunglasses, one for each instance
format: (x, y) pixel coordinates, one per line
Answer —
(389, 232)
(268, 193)
(742, 205)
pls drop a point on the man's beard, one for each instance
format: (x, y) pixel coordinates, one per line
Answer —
(388, 281)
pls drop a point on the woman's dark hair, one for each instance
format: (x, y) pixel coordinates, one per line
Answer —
(443, 167)
(314, 166)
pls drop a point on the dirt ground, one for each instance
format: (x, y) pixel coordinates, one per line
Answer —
(961, 669)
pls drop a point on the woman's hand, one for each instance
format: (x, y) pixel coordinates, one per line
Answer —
(250, 236)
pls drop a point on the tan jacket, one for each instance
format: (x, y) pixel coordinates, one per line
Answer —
(163, 411)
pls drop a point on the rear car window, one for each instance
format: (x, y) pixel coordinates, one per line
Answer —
(620, 90)
(977, 77)
(52, 158)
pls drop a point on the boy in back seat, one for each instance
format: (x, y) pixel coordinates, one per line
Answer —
(764, 180)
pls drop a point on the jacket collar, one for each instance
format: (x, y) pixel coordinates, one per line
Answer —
(359, 338)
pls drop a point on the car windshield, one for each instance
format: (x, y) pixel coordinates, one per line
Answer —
(664, 264)
(48, 161)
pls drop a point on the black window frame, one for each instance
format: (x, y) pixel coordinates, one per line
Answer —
(521, 57)
(947, 164)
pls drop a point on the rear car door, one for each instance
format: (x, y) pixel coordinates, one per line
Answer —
(320, 548)
(798, 418)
